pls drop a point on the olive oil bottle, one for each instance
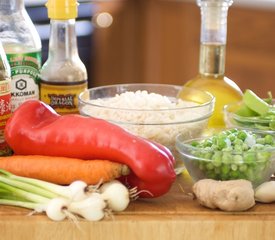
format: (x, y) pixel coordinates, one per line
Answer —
(63, 76)
(211, 76)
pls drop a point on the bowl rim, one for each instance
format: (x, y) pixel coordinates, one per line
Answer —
(177, 87)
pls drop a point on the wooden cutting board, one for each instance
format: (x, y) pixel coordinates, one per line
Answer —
(174, 216)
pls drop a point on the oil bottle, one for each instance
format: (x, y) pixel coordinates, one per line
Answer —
(63, 76)
(212, 58)
(5, 100)
(22, 45)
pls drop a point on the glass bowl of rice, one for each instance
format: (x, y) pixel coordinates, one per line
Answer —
(152, 111)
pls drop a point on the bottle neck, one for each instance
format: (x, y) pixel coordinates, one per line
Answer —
(10, 6)
(63, 41)
(213, 36)
(212, 60)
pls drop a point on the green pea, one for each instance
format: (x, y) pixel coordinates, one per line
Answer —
(245, 147)
(237, 159)
(234, 167)
(208, 155)
(257, 147)
(217, 156)
(241, 135)
(232, 137)
(243, 167)
(221, 143)
(209, 166)
(214, 140)
(226, 157)
(260, 140)
(249, 157)
(268, 139)
(238, 142)
(272, 125)
(194, 144)
(224, 177)
(233, 130)
(238, 148)
(227, 149)
(217, 163)
(225, 169)
(234, 174)
(207, 143)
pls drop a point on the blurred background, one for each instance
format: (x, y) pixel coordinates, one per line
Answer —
(157, 41)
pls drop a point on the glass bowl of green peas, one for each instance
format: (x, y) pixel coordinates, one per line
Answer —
(229, 154)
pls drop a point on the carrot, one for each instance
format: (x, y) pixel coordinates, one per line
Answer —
(63, 170)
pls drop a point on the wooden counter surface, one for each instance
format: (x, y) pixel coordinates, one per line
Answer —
(174, 216)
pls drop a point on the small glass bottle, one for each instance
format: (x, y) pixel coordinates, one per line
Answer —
(22, 45)
(5, 100)
(212, 58)
(64, 75)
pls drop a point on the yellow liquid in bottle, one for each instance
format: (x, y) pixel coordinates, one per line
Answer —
(211, 79)
(224, 91)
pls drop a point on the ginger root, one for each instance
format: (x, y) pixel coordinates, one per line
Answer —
(232, 195)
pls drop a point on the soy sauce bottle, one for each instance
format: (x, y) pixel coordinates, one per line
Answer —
(22, 46)
(63, 76)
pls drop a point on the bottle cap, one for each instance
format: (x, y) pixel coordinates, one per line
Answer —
(62, 9)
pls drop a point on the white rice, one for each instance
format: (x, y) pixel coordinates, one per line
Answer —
(141, 100)
(161, 120)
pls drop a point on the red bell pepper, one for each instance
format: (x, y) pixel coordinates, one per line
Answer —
(36, 129)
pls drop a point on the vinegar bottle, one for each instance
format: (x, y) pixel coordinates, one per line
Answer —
(5, 100)
(22, 45)
(64, 75)
(212, 58)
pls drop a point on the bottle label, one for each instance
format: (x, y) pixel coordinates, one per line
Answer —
(62, 97)
(5, 113)
(25, 70)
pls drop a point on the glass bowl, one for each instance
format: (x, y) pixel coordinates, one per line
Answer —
(258, 124)
(256, 165)
(146, 116)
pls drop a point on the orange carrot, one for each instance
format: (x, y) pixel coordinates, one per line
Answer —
(62, 170)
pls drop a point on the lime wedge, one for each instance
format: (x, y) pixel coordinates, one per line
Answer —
(255, 103)
(245, 111)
